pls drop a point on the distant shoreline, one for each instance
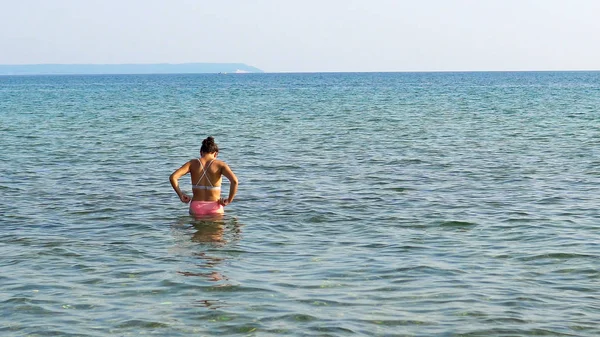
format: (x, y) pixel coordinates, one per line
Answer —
(126, 69)
(212, 68)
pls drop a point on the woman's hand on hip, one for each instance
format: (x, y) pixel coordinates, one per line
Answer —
(185, 198)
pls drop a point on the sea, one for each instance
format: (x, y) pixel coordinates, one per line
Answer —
(369, 204)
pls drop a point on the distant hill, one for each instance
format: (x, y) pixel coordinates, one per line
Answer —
(158, 68)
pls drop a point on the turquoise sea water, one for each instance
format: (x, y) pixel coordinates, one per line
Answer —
(425, 204)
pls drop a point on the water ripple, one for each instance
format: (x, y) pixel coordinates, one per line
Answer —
(370, 204)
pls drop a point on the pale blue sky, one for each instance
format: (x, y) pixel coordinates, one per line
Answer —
(307, 35)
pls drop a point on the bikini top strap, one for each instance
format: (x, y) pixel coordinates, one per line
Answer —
(204, 169)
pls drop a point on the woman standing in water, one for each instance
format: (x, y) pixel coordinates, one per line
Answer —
(206, 173)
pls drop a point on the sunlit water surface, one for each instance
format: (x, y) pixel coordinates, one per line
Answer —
(450, 204)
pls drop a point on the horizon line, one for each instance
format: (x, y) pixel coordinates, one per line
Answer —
(261, 71)
(296, 71)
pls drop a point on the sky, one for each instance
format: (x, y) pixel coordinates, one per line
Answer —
(307, 35)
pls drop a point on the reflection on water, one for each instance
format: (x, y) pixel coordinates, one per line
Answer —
(201, 245)
(203, 238)
(217, 231)
(209, 230)
(208, 262)
(211, 304)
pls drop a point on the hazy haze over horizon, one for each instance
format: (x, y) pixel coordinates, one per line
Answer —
(307, 36)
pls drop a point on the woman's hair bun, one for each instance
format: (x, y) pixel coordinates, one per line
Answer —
(209, 146)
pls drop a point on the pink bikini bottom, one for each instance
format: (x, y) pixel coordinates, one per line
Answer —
(205, 208)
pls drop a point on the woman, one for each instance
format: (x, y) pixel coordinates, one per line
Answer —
(206, 173)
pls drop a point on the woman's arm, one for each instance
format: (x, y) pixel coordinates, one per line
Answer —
(233, 184)
(174, 179)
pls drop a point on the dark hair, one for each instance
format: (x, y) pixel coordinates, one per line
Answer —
(209, 146)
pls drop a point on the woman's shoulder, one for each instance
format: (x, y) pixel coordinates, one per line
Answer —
(220, 163)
